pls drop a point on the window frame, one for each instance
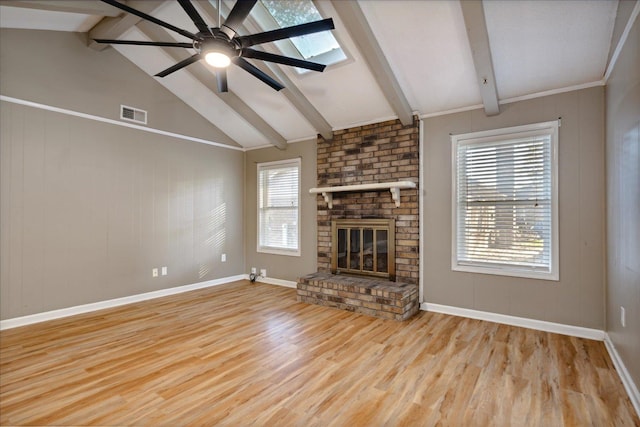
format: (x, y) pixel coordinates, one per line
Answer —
(266, 22)
(547, 128)
(274, 249)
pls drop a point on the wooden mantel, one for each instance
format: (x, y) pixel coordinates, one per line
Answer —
(394, 187)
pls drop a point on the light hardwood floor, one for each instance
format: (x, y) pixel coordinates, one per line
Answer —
(242, 354)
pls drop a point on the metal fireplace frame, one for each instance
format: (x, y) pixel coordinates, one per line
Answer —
(375, 224)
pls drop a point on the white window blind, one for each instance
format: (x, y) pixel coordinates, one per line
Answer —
(505, 202)
(278, 207)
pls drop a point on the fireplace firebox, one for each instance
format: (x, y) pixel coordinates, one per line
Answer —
(364, 247)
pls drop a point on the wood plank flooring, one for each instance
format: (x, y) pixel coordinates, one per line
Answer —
(249, 354)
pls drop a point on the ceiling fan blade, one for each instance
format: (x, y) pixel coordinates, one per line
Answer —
(287, 32)
(140, 43)
(285, 60)
(195, 16)
(221, 80)
(179, 65)
(256, 72)
(151, 19)
(237, 16)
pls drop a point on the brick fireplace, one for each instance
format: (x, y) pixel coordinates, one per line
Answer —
(368, 154)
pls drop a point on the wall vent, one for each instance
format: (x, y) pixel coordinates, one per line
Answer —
(133, 114)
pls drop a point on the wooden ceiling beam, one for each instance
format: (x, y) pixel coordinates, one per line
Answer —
(70, 6)
(114, 27)
(356, 23)
(476, 26)
(299, 101)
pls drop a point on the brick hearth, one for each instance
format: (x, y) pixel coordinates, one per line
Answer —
(374, 297)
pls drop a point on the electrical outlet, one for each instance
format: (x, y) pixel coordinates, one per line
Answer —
(253, 270)
(263, 272)
(164, 271)
(223, 258)
(154, 272)
(623, 317)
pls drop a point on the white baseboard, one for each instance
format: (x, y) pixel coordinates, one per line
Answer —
(272, 281)
(85, 308)
(625, 377)
(558, 328)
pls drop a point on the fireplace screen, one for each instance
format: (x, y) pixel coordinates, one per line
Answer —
(363, 246)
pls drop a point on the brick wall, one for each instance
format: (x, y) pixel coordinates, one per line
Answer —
(381, 152)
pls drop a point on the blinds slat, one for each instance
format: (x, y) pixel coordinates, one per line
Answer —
(504, 193)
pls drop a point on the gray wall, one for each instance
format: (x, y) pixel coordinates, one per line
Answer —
(283, 266)
(623, 203)
(577, 299)
(89, 208)
(57, 68)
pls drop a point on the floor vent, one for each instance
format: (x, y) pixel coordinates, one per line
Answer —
(133, 114)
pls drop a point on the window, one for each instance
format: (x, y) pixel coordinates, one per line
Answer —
(505, 209)
(278, 208)
(317, 47)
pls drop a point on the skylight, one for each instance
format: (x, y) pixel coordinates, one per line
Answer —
(318, 47)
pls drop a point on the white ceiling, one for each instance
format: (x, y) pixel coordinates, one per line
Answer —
(535, 46)
(427, 47)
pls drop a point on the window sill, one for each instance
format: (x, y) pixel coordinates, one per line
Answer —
(275, 251)
(506, 271)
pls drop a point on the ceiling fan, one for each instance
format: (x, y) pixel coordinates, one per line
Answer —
(220, 46)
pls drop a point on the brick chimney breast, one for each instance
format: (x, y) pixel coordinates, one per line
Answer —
(381, 152)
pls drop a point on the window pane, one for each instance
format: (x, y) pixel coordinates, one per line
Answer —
(279, 228)
(295, 12)
(278, 192)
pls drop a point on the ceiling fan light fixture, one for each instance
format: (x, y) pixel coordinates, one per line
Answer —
(217, 53)
(217, 59)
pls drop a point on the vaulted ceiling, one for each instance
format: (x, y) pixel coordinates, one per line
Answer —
(403, 58)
